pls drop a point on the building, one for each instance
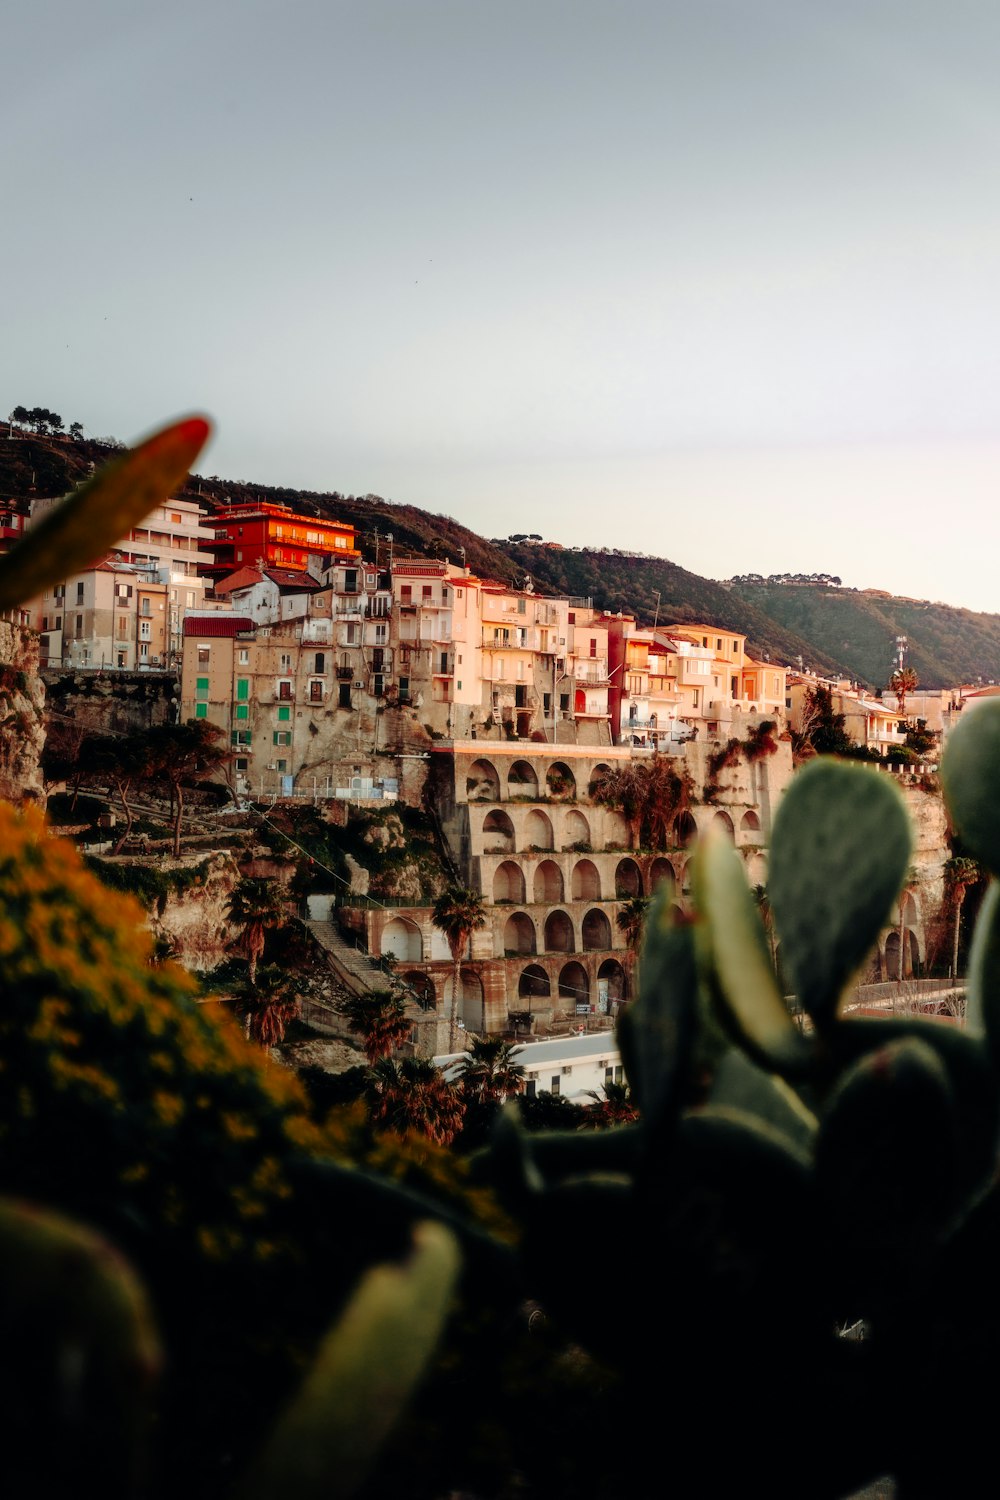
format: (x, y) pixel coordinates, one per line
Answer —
(276, 536)
(114, 616)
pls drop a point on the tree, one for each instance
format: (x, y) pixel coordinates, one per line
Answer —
(489, 1074)
(959, 873)
(631, 920)
(412, 1095)
(615, 1108)
(458, 913)
(256, 908)
(649, 797)
(21, 416)
(76, 431)
(380, 1020)
(123, 761)
(185, 754)
(822, 728)
(268, 1009)
(902, 683)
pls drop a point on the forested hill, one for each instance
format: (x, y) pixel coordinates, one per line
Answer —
(623, 581)
(946, 645)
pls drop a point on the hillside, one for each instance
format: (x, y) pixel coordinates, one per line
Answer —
(836, 631)
(947, 645)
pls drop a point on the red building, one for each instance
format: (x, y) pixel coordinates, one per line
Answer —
(248, 535)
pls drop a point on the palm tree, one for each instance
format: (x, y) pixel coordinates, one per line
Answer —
(269, 1008)
(458, 913)
(902, 682)
(959, 874)
(380, 1020)
(489, 1073)
(616, 1108)
(256, 907)
(631, 920)
(412, 1095)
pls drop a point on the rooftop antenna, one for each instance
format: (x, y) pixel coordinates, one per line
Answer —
(901, 645)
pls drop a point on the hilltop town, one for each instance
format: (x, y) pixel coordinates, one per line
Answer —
(445, 729)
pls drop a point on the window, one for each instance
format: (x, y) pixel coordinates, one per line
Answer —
(242, 711)
(242, 689)
(427, 591)
(201, 710)
(79, 624)
(444, 594)
(459, 593)
(59, 592)
(45, 622)
(571, 617)
(378, 685)
(286, 662)
(315, 692)
(718, 643)
(564, 703)
(404, 689)
(556, 1083)
(281, 766)
(352, 635)
(201, 687)
(282, 737)
(350, 580)
(79, 593)
(284, 689)
(242, 764)
(145, 630)
(284, 715)
(444, 662)
(203, 656)
(146, 607)
(406, 594)
(240, 737)
(59, 622)
(244, 657)
(522, 605)
(530, 1089)
(320, 666)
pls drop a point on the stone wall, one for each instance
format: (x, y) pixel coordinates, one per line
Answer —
(112, 702)
(22, 707)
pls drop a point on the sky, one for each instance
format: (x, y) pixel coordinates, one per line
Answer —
(716, 281)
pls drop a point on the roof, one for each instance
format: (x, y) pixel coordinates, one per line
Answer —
(218, 624)
(293, 580)
(243, 578)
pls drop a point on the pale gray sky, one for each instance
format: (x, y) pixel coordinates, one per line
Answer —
(716, 280)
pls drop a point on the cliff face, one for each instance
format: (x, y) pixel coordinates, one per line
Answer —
(195, 919)
(22, 706)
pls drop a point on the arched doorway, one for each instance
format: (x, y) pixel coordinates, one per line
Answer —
(685, 831)
(560, 782)
(548, 883)
(508, 883)
(612, 986)
(628, 879)
(522, 781)
(724, 821)
(498, 833)
(750, 826)
(518, 935)
(661, 874)
(401, 938)
(596, 931)
(559, 933)
(533, 984)
(577, 830)
(574, 987)
(482, 783)
(538, 830)
(586, 882)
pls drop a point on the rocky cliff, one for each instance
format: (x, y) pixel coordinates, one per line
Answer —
(22, 707)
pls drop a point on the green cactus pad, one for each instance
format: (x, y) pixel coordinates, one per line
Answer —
(656, 1033)
(839, 856)
(982, 1013)
(734, 938)
(366, 1371)
(970, 771)
(740, 1084)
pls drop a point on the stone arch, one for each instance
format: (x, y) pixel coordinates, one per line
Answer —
(519, 934)
(628, 879)
(508, 882)
(749, 823)
(724, 821)
(577, 828)
(498, 832)
(612, 985)
(422, 986)
(482, 782)
(685, 877)
(685, 831)
(522, 780)
(560, 782)
(676, 915)
(661, 873)
(538, 830)
(559, 935)
(616, 834)
(574, 985)
(596, 931)
(533, 984)
(471, 1002)
(439, 949)
(402, 939)
(585, 881)
(548, 883)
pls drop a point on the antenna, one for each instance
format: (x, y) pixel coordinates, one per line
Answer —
(901, 645)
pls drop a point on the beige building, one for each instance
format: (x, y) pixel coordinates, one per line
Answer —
(111, 617)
